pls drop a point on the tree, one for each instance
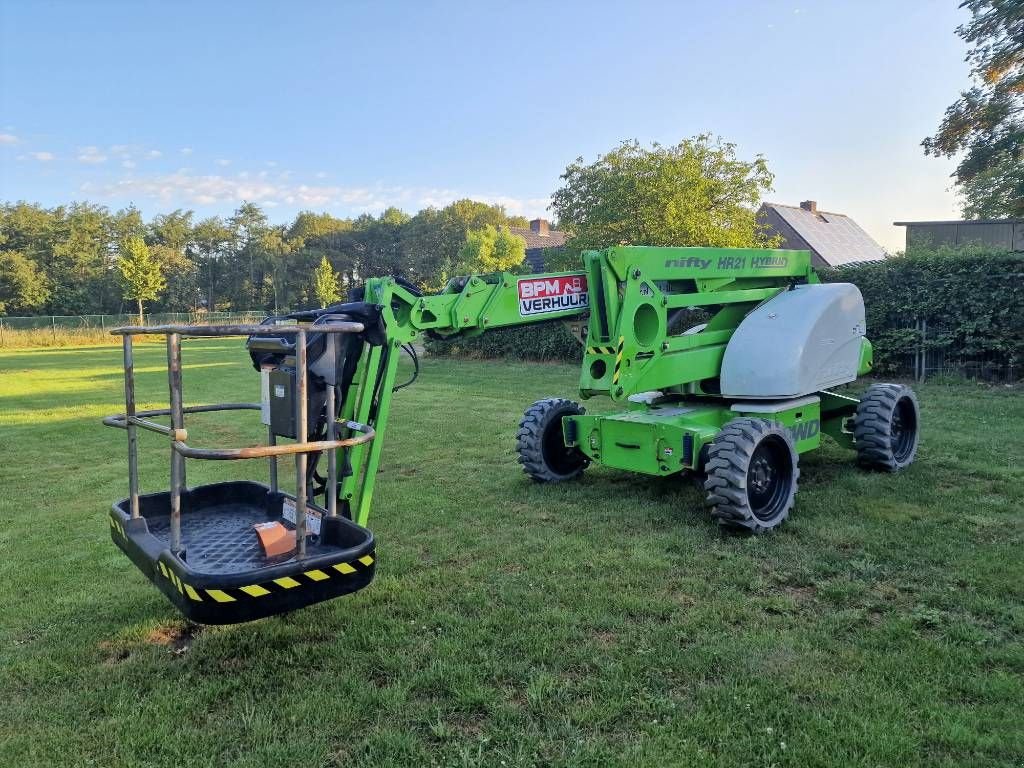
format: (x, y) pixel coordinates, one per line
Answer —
(173, 229)
(325, 283)
(212, 239)
(987, 122)
(694, 193)
(311, 237)
(79, 263)
(170, 237)
(491, 249)
(22, 285)
(432, 240)
(181, 275)
(141, 276)
(249, 259)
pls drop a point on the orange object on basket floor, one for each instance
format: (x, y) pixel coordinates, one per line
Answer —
(275, 539)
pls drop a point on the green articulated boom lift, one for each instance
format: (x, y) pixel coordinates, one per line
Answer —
(722, 361)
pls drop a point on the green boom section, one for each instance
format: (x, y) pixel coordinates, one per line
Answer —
(628, 306)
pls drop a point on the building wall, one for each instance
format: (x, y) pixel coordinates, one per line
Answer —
(1008, 235)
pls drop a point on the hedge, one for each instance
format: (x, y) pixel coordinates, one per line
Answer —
(546, 341)
(971, 299)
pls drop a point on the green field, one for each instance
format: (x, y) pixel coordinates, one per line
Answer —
(601, 623)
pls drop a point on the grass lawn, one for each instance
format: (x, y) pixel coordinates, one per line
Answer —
(602, 623)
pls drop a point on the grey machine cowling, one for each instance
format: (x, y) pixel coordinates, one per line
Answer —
(802, 341)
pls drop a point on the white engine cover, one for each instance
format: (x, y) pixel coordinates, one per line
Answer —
(802, 341)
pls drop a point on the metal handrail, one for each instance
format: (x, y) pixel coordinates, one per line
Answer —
(179, 436)
(131, 419)
(267, 451)
(197, 331)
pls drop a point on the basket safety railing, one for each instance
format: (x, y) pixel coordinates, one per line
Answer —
(132, 419)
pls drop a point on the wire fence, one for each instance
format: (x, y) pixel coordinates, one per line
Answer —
(103, 322)
(57, 329)
(930, 353)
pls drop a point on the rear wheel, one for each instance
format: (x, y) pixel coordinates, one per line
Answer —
(885, 429)
(751, 475)
(541, 446)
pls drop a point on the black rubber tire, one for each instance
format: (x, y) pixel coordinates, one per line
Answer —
(886, 428)
(541, 447)
(752, 472)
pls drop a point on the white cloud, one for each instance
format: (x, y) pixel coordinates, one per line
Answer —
(186, 187)
(127, 163)
(321, 175)
(43, 157)
(514, 206)
(194, 189)
(8, 138)
(223, 163)
(186, 150)
(154, 153)
(91, 155)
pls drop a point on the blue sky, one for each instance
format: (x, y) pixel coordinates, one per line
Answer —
(353, 106)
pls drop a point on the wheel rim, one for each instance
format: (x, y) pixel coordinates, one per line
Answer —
(560, 459)
(769, 477)
(903, 429)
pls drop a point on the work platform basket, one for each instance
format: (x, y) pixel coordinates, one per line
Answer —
(199, 545)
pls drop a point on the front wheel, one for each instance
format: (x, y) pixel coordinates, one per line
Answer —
(885, 429)
(541, 447)
(751, 475)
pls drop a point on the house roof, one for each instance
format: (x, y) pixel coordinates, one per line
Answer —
(554, 238)
(834, 237)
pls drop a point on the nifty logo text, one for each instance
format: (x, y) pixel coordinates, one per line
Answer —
(729, 262)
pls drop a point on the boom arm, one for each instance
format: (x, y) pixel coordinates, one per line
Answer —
(470, 305)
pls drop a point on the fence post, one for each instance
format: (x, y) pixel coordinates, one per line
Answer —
(924, 350)
(917, 349)
(53, 328)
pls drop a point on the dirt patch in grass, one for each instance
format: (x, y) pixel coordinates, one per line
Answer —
(801, 594)
(604, 639)
(177, 637)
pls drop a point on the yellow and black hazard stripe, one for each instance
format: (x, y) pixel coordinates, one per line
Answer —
(264, 588)
(618, 360)
(600, 350)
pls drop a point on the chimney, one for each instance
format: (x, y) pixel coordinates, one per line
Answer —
(810, 205)
(540, 227)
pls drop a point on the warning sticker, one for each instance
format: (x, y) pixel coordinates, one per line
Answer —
(313, 517)
(540, 295)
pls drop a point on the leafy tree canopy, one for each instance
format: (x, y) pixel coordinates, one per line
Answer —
(986, 123)
(22, 286)
(696, 192)
(491, 249)
(238, 262)
(141, 275)
(325, 283)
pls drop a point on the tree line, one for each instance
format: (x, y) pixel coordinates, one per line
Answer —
(83, 258)
(71, 259)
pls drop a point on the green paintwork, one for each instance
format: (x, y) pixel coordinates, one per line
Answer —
(652, 439)
(631, 294)
(867, 358)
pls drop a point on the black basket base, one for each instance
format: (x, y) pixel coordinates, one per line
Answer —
(222, 576)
